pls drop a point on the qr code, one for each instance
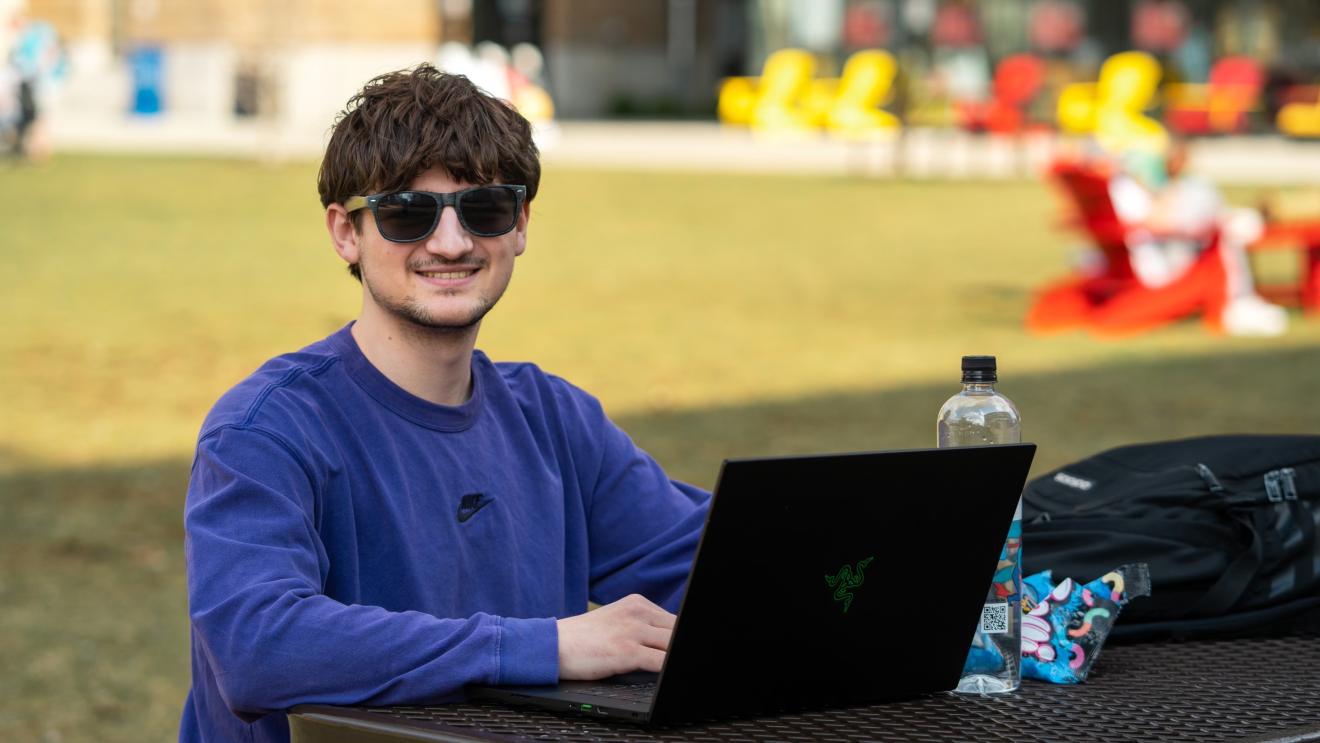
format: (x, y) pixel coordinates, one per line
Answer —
(994, 619)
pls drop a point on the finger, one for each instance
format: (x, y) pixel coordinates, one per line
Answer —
(662, 619)
(650, 659)
(656, 637)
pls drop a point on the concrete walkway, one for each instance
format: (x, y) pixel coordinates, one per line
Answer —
(703, 146)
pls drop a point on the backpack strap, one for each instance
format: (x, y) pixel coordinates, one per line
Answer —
(1236, 579)
(1305, 567)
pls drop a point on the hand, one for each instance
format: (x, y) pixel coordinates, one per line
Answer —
(631, 634)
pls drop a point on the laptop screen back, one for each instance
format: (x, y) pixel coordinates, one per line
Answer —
(839, 579)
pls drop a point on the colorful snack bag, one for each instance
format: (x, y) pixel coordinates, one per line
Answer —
(1064, 626)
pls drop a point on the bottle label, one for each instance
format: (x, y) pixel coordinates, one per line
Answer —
(994, 618)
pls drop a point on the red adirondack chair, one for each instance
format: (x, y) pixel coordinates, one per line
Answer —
(1113, 302)
(1220, 106)
(1018, 79)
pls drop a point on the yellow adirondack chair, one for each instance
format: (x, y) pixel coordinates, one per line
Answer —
(771, 98)
(854, 112)
(1112, 108)
(1300, 119)
(779, 109)
(1076, 108)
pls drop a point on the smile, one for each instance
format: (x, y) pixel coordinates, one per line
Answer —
(447, 275)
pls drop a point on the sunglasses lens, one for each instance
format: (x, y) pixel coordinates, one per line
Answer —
(489, 211)
(405, 216)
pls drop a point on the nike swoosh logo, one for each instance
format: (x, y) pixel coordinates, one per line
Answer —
(467, 512)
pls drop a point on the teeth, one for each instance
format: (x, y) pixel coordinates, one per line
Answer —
(450, 275)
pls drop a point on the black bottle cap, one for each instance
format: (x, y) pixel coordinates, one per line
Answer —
(979, 369)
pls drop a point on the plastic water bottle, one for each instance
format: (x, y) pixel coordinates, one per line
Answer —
(976, 416)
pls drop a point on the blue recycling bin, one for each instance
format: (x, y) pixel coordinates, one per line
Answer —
(147, 65)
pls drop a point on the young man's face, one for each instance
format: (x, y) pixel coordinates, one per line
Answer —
(449, 280)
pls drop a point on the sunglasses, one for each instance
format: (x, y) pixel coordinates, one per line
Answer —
(409, 216)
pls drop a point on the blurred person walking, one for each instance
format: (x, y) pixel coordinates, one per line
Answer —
(36, 61)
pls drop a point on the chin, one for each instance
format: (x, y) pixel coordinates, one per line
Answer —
(446, 320)
(432, 312)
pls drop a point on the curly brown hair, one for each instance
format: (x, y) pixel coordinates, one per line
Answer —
(405, 122)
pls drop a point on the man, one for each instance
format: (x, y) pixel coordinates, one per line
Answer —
(386, 515)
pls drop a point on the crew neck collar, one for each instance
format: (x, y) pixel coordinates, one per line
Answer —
(404, 403)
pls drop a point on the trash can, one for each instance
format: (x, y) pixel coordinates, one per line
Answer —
(147, 66)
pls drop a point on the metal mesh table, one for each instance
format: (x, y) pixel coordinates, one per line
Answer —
(1257, 689)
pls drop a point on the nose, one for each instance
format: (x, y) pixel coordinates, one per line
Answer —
(449, 241)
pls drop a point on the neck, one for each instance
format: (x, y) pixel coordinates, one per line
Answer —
(435, 365)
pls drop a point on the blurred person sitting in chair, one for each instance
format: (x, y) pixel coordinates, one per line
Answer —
(1175, 217)
(387, 515)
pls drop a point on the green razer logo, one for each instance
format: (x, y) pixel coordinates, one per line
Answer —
(847, 579)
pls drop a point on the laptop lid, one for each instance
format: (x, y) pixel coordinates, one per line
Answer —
(839, 579)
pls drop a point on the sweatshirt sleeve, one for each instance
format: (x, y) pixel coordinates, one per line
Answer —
(273, 639)
(643, 527)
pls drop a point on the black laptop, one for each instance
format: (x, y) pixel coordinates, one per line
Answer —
(822, 581)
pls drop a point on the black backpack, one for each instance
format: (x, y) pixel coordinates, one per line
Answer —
(1227, 525)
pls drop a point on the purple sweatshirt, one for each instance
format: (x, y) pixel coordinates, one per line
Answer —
(350, 543)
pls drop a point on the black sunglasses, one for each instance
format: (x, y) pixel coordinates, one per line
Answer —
(409, 216)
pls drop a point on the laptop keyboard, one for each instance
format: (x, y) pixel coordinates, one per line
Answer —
(642, 692)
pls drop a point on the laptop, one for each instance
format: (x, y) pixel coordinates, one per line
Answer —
(822, 581)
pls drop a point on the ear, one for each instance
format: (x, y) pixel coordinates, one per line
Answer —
(339, 223)
(520, 231)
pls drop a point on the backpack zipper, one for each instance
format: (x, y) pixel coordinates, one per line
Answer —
(1280, 486)
(1202, 470)
(1217, 488)
(1211, 481)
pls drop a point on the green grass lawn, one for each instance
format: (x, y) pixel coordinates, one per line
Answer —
(714, 316)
